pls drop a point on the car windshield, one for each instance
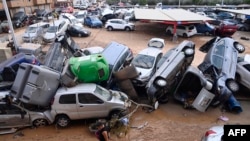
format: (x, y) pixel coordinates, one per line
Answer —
(103, 93)
(31, 30)
(94, 18)
(143, 61)
(52, 29)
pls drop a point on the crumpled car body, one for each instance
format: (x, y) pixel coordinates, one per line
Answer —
(169, 71)
(219, 66)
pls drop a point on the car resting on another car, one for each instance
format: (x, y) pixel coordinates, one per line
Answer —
(169, 71)
(146, 60)
(219, 66)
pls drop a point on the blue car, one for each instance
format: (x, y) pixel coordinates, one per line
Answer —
(93, 21)
(205, 28)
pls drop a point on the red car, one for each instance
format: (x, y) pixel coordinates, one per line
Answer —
(224, 29)
(68, 9)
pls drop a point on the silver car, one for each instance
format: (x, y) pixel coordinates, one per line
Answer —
(242, 71)
(14, 115)
(85, 101)
(34, 32)
(145, 61)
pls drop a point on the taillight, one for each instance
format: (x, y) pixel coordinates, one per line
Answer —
(209, 132)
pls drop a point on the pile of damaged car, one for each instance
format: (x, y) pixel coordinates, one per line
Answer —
(72, 83)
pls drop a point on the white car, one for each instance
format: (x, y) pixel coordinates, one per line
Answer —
(119, 24)
(87, 100)
(145, 61)
(182, 30)
(214, 133)
(80, 15)
(72, 19)
(56, 28)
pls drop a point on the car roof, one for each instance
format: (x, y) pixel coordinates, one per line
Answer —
(115, 49)
(38, 24)
(115, 20)
(83, 87)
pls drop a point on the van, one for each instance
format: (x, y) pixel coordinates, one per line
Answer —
(85, 101)
(35, 32)
(117, 56)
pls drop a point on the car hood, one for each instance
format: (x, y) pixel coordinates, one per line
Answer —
(144, 73)
(78, 24)
(118, 97)
(48, 35)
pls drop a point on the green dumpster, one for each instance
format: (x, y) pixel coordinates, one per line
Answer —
(91, 68)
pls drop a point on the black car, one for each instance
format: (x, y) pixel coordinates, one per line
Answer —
(19, 19)
(77, 31)
(170, 69)
(219, 66)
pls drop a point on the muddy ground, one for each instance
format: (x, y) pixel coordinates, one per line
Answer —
(170, 122)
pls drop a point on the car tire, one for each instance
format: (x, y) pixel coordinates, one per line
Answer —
(40, 122)
(188, 52)
(185, 35)
(109, 28)
(240, 48)
(127, 29)
(62, 121)
(232, 85)
(169, 32)
(79, 35)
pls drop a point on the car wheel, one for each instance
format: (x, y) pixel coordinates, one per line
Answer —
(110, 28)
(127, 29)
(232, 85)
(207, 33)
(79, 35)
(240, 48)
(168, 32)
(185, 35)
(62, 121)
(115, 113)
(189, 52)
(163, 99)
(40, 122)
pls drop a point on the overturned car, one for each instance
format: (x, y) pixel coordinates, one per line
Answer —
(169, 71)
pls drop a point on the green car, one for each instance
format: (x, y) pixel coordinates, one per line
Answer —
(91, 68)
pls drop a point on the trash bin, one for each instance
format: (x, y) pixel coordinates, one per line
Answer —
(203, 100)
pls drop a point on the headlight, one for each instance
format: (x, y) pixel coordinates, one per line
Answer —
(161, 82)
(17, 24)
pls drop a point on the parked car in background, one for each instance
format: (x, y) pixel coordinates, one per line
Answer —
(182, 30)
(225, 15)
(224, 29)
(93, 21)
(122, 57)
(34, 33)
(56, 28)
(77, 31)
(80, 15)
(72, 19)
(40, 14)
(240, 25)
(219, 66)
(5, 26)
(85, 101)
(146, 60)
(205, 28)
(19, 19)
(15, 116)
(119, 24)
(169, 71)
(215, 133)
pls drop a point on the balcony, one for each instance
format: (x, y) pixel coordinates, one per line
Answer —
(15, 3)
(37, 2)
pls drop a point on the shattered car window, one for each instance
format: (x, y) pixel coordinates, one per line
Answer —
(143, 61)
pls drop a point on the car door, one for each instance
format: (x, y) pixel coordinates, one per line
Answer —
(13, 116)
(90, 106)
(120, 25)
